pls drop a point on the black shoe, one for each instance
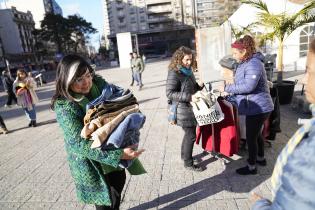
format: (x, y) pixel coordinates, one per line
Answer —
(261, 162)
(246, 171)
(30, 124)
(131, 84)
(194, 168)
(34, 123)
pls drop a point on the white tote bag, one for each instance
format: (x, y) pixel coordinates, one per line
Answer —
(206, 109)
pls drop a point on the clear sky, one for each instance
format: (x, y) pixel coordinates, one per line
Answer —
(90, 10)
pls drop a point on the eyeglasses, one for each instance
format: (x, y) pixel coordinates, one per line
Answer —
(87, 75)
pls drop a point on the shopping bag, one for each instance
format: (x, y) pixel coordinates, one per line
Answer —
(206, 109)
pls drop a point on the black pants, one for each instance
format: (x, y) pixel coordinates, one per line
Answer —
(11, 96)
(2, 125)
(255, 141)
(188, 145)
(115, 182)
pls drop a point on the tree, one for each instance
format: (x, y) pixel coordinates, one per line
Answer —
(66, 33)
(280, 26)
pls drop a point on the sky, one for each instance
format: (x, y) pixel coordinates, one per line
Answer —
(90, 10)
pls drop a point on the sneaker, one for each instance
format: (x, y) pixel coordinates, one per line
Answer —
(246, 171)
(3, 131)
(7, 106)
(194, 168)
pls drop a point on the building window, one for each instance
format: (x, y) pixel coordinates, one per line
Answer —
(306, 35)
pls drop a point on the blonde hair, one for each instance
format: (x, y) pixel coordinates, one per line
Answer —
(179, 54)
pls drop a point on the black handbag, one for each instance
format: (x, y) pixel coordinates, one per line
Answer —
(172, 107)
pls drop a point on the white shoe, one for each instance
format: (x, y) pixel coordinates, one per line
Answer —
(7, 106)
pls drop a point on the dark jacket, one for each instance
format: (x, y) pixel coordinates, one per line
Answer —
(174, 85)
(8, 83)
(251, 88)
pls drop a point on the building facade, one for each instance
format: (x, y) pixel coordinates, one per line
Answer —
(37, 7)
(161, 26)
(16, 34)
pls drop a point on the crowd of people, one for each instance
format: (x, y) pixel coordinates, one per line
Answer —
(98, 174)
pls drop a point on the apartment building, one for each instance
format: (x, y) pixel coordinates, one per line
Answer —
(37, 7)
(160, 26)
(16, 35)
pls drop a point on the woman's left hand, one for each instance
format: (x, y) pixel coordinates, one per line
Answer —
(129, 153)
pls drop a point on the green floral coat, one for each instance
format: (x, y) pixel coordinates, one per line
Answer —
(87, 165)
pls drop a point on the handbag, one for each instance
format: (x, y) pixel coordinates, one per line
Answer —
(172, 108)
(206, 108)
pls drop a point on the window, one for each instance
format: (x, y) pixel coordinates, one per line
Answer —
(306, 35)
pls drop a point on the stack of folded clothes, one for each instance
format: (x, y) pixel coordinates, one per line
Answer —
(113, 120)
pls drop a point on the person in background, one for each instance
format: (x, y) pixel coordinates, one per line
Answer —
(253, 98)
(98, 178)
(8, 87)
(3, 127)
(137, 68)
(180, 78)
(293, 178)
(23, 88)
(131, 68)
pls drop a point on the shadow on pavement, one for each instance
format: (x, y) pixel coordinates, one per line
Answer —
(208, 187)
(146, 100)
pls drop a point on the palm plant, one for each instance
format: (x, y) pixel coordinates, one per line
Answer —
(280, 26)
(239, 31)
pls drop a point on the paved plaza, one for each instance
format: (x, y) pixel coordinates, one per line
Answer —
(34, 172)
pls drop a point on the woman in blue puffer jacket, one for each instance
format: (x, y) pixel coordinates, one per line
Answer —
(253, 98)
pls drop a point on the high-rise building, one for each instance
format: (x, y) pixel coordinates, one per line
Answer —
(37, 7)
(16, 29)
(161, 26)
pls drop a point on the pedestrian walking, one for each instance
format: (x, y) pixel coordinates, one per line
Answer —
(3, 127)
(23, 88)
(8, 87)
(98, 178)
(253, 98)
(137, 68)
(180, 86)
(293, 178)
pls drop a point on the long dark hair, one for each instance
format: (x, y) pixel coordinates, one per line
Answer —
(69, 68)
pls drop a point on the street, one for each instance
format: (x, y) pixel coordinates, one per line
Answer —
(34, 172)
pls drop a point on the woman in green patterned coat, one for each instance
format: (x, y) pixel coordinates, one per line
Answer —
(96, 174)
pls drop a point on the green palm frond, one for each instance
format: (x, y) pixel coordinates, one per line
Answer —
(258, 4)
(304, 12)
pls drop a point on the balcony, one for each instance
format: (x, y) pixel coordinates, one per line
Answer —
(160, 19)
(153, 2)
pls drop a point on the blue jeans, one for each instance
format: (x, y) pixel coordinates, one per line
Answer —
(137, 76)
(31, 114)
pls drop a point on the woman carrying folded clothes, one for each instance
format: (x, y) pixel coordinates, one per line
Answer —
(98, 178)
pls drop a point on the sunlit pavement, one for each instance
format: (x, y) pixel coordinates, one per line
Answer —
(34, 173)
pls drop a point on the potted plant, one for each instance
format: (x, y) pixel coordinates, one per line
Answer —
(279, 27)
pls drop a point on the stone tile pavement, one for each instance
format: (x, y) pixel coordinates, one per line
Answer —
(34, 172)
